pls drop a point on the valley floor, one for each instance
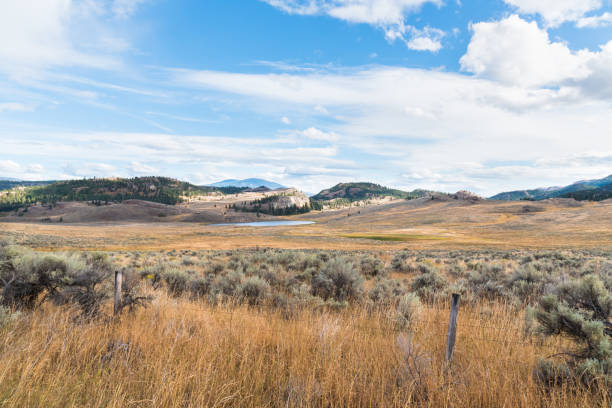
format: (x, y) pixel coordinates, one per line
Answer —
(402, 224)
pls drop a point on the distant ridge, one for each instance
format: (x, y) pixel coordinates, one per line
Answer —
(248, 183)
(7, 183)
(162, 190)
(596, 189)
(364, 191)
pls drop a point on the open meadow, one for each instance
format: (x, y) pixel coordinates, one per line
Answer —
(350, 311)
(415, 224)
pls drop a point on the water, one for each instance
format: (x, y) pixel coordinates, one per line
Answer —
(264, 224)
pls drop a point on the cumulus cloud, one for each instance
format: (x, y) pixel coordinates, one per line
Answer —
(516, 52)
(313, 133)
(556, 12)
(388, 15)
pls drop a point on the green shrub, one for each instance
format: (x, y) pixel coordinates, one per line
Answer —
(255, 290)
(579, 310)
(227, 284)
(338, 280)
(200, 287)
(177, 281)
(88, 286)
(429, 285)
(407, 310)
(371, 266)
(386, 292)
(398, 262)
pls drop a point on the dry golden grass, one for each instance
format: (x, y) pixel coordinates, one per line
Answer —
(458, 225)
(178, 353)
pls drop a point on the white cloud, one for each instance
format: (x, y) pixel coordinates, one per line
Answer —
(36, 168)
(286, 120)
(428, 39)
(9, 166)
(70, 155)
(14, 107)
(387, 117)
(356, 11)
(321, 109)
(388, 15)
(316, 134)
(36, 34)
(518, 52)
(556, 12)
(138, 168)
(419, 112)
(34, 171)
(595, 21)
(424, 44)
(125, 8)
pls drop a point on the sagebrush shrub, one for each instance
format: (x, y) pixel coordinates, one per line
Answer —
(581, 310)
(255, 290)
(407, 310)
(429, 285)
(371, 266)
(338, 280)
(386, 292)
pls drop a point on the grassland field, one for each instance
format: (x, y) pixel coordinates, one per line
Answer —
(351, 311)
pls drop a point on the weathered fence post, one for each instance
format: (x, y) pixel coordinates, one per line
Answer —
(452, 328)
(118, 282)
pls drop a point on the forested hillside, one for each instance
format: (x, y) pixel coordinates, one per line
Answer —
(101, 191)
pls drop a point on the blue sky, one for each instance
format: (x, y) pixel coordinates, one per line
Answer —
(440, 94)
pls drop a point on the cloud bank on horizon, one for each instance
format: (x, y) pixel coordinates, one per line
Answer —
(439, 94)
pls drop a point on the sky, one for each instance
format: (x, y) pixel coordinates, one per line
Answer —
(481, 95)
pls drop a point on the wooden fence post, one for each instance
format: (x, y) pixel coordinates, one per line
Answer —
(118, 282)
(452, 328)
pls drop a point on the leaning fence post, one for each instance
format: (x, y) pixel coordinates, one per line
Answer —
(452, 328)
(118, 282)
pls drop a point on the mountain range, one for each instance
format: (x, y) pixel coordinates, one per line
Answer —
(107, 189)
(598, 189)
(248, 183)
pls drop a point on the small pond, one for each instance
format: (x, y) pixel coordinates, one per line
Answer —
(263, 224)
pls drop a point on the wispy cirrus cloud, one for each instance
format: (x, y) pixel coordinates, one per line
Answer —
(602, 20)
(556, 12)
(388, 15)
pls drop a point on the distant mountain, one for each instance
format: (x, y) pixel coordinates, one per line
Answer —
(364, 191)
(583, 187)
(248, 183)
(594, 194)
(7, 183)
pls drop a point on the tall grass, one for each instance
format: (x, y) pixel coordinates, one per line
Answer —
(182, 353)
